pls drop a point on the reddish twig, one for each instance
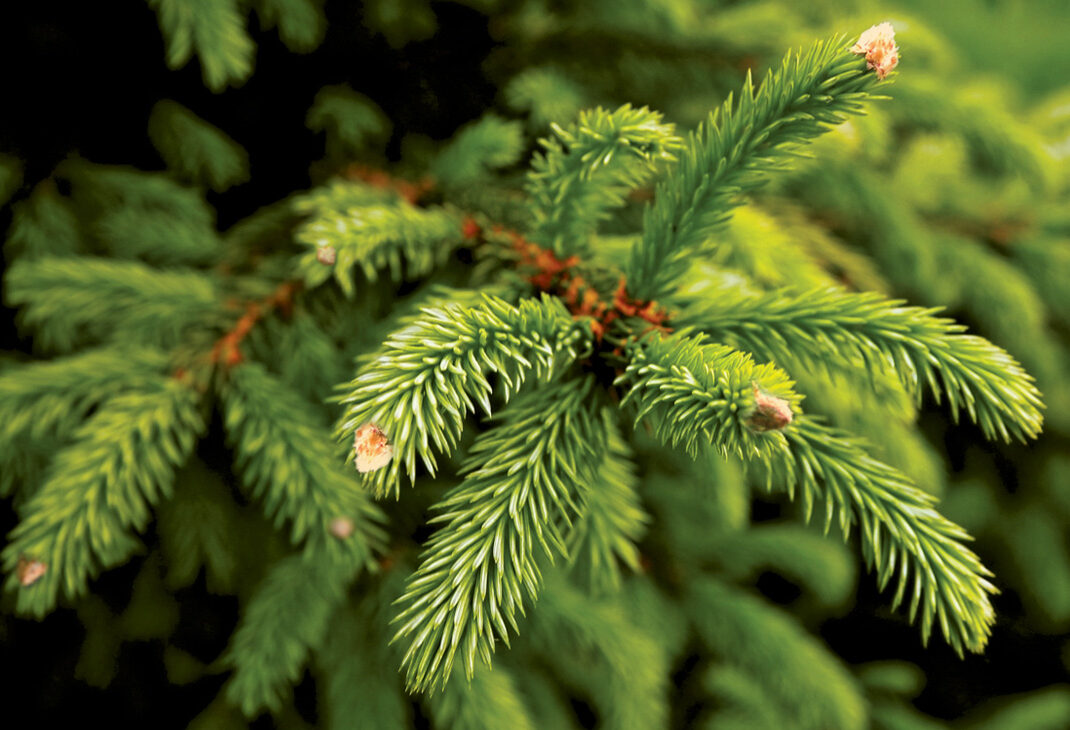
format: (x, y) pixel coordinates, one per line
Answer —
(227, 349)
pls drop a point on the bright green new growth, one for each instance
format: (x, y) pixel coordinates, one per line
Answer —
(49, 401)
(881, 334)
(431, 374)
(901, 533)
(523, 478)
(729, 155)
(700, 393)
(587, 169)
(393, 235)
(612, 521)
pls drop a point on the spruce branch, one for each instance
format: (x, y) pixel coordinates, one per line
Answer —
(546, 95)
(290, 464)
(622, 664)
(43, 225)
(612, 520)
(489, 699)
(50, 400)
(68, 301)
(101, 488)
(902, 534)
(882, 334)
(522, 479)
(212, 29)
(362, 688)
(731, 152)
(430, 374)
(195, 149)
(487, 144)
(301, 23)
(588, 167)
(697, 393)
(104, 188)
(159, 238)
(287, 618)
(805, 685)
(200, 527)
(372, 237)
(351, 121)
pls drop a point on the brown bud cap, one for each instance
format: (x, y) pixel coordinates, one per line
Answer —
(372, 449)
(29, 571)
(770, 413)
(326, 255)
(341, 527)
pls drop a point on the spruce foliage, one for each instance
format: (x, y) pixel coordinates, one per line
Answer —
(568, 405)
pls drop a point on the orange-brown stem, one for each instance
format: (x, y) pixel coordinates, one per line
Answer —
(410, 191)
(227, 349)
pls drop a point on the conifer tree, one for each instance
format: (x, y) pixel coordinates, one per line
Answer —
(550, 438)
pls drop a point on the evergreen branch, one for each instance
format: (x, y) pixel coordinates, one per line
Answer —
(486, 144)
(286, 619)
(742, 701)
(290, 464)
(882, 334)
(215, 31)
(613, 520)
(998, 136)
(200, 527)
(102, 188)
(43, 225)
(806, 685)
(48, 400)
(499, 521)
(901, 531)
(373, 238)
(160, 238)
(359, 670)
(71, 300)
(546, 95)
(622, 664)
(351, 121)
(100, 489)
(729, 154)
(752, 243)
(701, 394)
(195, 149)
(587, 169)
(430, 374)
(301, 23)
(489, 700)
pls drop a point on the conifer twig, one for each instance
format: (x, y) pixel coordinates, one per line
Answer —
(476, 572)
(729, 154)
(882, 334)
(433, 372)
